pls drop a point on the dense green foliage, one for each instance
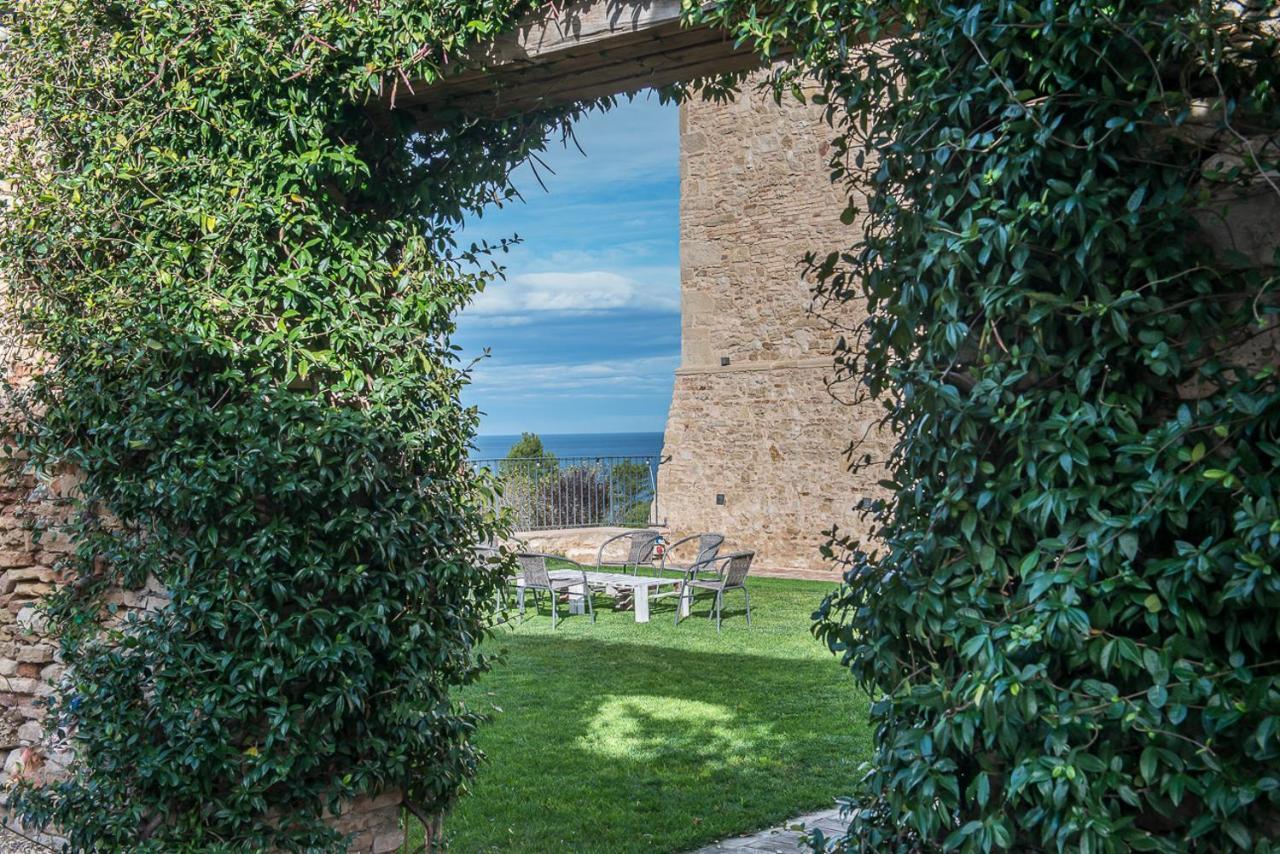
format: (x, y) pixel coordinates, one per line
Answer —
(1071, 623)
(241, 268)
(243, 273)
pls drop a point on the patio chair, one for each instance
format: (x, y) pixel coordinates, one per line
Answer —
(533, 569)
(708, 547)
(491, 554)
(732, 576)
(640, 550)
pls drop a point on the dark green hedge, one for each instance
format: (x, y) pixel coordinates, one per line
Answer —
(1070, 622)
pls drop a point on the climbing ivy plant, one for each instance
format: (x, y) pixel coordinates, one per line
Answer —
(239, 264)
(1068, 617)
(241, 267)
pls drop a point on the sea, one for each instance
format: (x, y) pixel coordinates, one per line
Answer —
(576, 445)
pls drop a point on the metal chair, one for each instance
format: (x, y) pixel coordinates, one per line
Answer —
(640, 550)
(533, 570)
(490, 553)
(732, 576)
(708, 547)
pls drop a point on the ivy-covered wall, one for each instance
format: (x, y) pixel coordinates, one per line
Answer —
(238, 265)
(1067, 612)
(242, 269)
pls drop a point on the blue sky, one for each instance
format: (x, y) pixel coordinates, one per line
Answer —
(585, 330)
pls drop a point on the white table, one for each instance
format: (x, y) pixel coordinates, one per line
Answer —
(640, 586)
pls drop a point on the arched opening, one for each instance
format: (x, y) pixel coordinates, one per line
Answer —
(750, 444)
(577, 346)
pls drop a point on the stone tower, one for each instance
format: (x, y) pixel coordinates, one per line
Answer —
(754, 436)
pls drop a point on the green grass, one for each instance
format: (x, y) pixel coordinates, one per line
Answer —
(624, 737)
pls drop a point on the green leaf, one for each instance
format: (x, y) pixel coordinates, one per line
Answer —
(1147, 764)
(1128, 543)
(1239, 834)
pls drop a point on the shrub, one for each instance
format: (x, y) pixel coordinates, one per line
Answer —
(576, 496)
(631, 485)
(523, 476)
(530, 447)
(1068, 617)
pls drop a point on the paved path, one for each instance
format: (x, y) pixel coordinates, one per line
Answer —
(776, 840)
(781, 840)
(12, 843)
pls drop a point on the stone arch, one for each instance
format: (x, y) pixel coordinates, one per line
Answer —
(583, 51)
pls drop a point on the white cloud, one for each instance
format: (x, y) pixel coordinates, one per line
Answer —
(614, 254)
(611, 378)
(581, 292)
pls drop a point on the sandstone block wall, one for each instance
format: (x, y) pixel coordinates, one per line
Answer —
(32, 544)
(756, 441)
(579, 544)
(28, 659)
(762, 431)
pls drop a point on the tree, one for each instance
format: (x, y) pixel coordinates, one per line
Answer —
(525, 475)
(530, 447)
(631, 487)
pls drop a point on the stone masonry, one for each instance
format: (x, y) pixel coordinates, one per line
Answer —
(32, 545)
(755, 438)
(752, 422)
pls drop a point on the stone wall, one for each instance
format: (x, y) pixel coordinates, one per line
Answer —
(31, 546)
(32, 511)
(579, 544)
(28, 659)
(752, 422)
(754, 437)
(373, 823)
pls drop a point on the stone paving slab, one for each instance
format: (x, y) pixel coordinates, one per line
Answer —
(776, 840)
(780, 840)
(12, 843)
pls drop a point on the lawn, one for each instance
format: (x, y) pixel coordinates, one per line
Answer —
(624, 737)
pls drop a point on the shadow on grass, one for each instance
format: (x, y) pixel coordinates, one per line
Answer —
(616, 746)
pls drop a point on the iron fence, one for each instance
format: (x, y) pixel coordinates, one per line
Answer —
(578, 492)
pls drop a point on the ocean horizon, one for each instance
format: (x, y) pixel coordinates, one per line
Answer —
(496, 446)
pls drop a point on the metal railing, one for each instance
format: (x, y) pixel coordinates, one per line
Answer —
(577, 492)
